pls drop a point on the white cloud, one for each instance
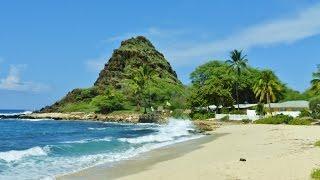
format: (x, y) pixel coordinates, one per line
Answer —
(304, 24)
(13, 81)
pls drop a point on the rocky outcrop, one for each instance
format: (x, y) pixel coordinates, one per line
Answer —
(129, 117)
(121, 117)
(132, 54)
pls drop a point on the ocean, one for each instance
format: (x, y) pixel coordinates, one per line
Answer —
(42, 148)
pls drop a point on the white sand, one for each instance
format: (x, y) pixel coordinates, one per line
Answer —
(272, 152)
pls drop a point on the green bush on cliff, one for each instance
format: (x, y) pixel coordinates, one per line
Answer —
(79, 107)
(110, 101)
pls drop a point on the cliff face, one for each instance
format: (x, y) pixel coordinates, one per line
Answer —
(132, 53)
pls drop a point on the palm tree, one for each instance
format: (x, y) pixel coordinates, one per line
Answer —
(315, 82)
(238, 63)
(267, 87)
(141, 79)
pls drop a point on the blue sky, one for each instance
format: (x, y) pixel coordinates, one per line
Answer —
(47, 48)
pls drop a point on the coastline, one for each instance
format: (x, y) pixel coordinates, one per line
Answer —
(140, 162)
(271, 152)
(121, 117)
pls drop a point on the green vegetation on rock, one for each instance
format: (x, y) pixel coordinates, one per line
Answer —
(136, 76)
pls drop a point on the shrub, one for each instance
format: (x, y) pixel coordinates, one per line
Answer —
(224, 110)
(277, 119)
(305, 113)
(315, 174)
(317, 143)
(226, 118)
(284, 119)
(237, 112)
(111, 101)
(300, 121)
(86, 94)
(202, 115)
(314, 104)
(260, 110)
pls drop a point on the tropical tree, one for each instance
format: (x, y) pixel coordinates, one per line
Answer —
(139, 81)
(315, 82)
(267, 87)
(237, 63)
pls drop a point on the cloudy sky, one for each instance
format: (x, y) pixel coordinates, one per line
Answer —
(48, 48)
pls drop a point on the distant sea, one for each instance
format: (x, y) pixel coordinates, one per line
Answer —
(7, 112)
(42, 149)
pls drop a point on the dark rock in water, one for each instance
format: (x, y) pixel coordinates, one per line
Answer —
(242, 159)
(151, 118)
(9, 116)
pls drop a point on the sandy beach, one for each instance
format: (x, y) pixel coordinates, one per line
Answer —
(271, 152)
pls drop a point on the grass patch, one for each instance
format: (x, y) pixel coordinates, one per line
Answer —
(315, 174)
(79, 107)
(317, 143)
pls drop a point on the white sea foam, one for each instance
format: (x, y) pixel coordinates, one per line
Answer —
(88, 140)
(14, 114)
(168, 132)
(99, 129)
(35, 120)
(174, 132)
(15, 155)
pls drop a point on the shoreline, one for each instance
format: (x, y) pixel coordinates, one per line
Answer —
(271, 152)
(138, 163)
(121, 117)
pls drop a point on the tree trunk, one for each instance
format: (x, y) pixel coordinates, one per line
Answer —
(138, 106)
(145, 110)
(268, 101)
(237, 94)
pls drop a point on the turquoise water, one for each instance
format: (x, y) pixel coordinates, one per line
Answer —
(38, 149)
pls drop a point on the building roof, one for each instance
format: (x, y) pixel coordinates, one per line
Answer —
(244, 106)
(286, 104)
(289, 104)
(241, 106)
